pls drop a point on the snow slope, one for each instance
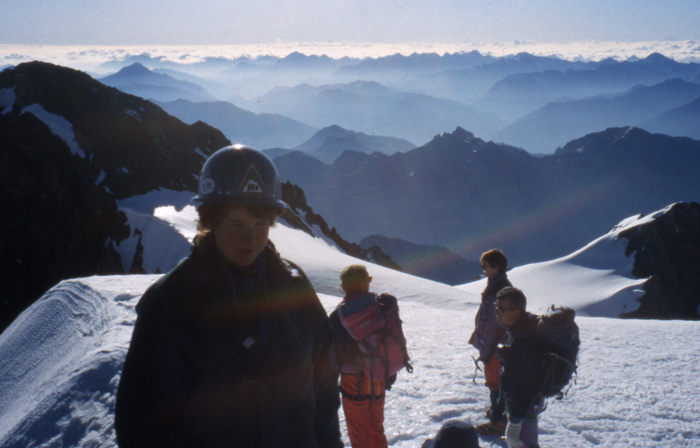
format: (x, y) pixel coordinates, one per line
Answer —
(595, 280)
(637, 383)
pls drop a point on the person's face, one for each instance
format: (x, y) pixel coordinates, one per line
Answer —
(505, 313)
(489, 271)
(361, 287)
(241, 237)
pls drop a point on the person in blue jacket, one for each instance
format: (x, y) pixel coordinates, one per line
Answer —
(488, 333)
(520, 353)
(231, 348)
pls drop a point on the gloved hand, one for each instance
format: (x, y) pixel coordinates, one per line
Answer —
(513, 435)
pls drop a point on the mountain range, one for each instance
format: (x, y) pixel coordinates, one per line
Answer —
(517, 95)
(371, 108)
(241, 126)
(520, 99)
(557, 123)
(72, 143)
(468, 84)
(470, 195)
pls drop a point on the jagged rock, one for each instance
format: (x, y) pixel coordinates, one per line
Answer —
(667, 249)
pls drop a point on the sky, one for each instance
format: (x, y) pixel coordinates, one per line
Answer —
(636, 385)
(238, 22)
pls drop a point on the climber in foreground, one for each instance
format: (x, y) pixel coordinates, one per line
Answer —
(232, 347)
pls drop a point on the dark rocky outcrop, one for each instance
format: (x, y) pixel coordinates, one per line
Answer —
(69, 148)
(667, 250)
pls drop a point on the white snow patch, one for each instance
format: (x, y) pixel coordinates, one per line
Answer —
(147, 203)
(133, 113)
(163, 245)
(7, 100)
(101, 177)
(183, 221)
(58, 125)
(199, 151)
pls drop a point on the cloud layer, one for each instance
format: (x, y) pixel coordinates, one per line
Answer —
(89, 57)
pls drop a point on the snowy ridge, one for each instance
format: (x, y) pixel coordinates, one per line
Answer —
(584, 279)
(68, 341)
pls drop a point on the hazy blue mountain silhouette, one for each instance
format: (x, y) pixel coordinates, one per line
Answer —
(398, 69)
(371, 108)
(517, 95)
(470, 84)
(681, 121)
(138, 80)
(218, 88)
(328, 143)
(240, 126)
(556, 124)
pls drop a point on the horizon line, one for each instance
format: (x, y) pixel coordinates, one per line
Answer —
(585, 50)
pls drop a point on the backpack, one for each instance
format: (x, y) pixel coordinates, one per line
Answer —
(374, 323)
(559, 338)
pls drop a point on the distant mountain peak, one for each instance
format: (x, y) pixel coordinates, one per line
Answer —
(657, 58)
(462, 133)
(334, 129)
(628, 137)
(459, 136)
(135, 69)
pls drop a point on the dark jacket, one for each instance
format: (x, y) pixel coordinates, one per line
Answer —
(223, 359)
(520, 355)
(488, 333)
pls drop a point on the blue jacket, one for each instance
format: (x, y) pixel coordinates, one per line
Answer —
(486, 335)
(520, 353)
(219, 359)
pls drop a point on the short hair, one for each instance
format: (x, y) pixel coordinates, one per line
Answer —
(514, 297)
(456, 434)
(354, 275)
(210, 214)
(497, 259)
